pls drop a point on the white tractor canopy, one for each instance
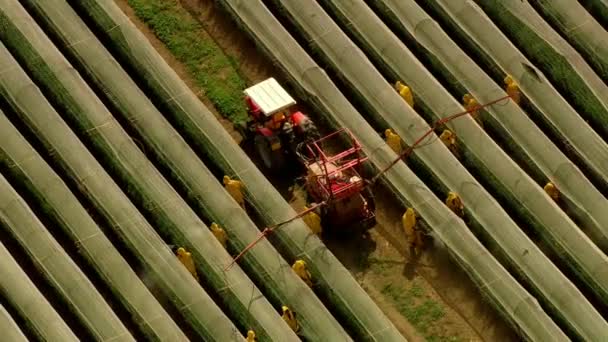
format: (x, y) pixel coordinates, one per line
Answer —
(270, 96)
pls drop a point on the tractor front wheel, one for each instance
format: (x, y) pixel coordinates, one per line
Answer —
(272, 159)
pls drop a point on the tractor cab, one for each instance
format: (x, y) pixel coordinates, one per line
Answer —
(277, 130)
(335, 179)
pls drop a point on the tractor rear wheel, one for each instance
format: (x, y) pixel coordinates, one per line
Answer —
(272, 160)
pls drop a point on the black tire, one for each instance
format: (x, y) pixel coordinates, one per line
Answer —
(272, 160)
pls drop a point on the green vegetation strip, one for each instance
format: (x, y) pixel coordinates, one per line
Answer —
(58, 268)
(84, 172)
(176, 221)
(212, 70)
(333, 283)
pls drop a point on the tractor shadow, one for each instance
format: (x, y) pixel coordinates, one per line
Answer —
(353, 249)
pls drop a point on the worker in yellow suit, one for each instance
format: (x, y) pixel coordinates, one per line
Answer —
(251, 336)
(405, 92)
(235, 189)
(219, 233)
(449, 139)
(290, 318)
(512, 89)
(414, 235)
(393, 140)
(455, 204)
(299, 267)
(471, 105)
(552, 191)
(185, 258)
(313, 221)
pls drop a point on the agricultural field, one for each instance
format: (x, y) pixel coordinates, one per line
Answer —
(120, 118)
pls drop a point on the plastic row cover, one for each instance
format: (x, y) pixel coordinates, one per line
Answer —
(341, 293)
(171, 215)
(57, 267)
(313, 84)
(598, 9)
(582, 200)
(386, 103)
(580, 28)
(576, 81)
(93, 244)
(81, 168)
(10, 329)
(538, 90)
(19, 291)
(183, 225)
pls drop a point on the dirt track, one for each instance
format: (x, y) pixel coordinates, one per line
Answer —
(435, 295)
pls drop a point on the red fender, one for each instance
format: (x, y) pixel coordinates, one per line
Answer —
(298, 117)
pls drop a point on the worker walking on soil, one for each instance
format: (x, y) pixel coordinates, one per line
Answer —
(413, 234)
(512, 89)
(299, 267)
(405, 93)
(552, 191)
(185, 258)
(219, 233)
(313, 221)
(449, 139)
(290, 318)
(455, 204)
(472, 106)
(235, 189)
(251, 336)
(393, 140)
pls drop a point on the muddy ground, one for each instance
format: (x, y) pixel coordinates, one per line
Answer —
(432, 299)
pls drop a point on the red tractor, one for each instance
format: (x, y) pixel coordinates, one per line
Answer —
(332, 179)
(277, 131)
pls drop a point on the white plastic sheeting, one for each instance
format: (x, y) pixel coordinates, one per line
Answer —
(314, 85)
(10, 329)
(95, 184)
(341, 293)
(58, 268)
(29, 303)
(584, 201)
(535, 86)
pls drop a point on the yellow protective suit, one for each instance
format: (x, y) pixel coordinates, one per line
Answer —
(455, 204)
(393, 140)
(235, 189)
(470, 104)
(449, 139)
(290, 318)
(186, 259)
(313, 221)
(219, 233)
(299, 267)
(512, 89)
(251, 336)
(414, 236)
(405, 92)
(552, 191)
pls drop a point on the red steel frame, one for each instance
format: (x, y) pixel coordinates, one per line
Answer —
(342, 161)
